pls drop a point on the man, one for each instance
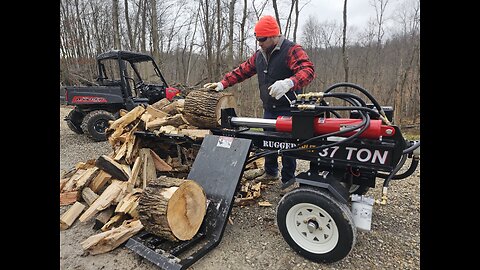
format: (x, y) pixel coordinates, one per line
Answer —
(282, 67)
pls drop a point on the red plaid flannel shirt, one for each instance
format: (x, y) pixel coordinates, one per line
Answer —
(297, 60)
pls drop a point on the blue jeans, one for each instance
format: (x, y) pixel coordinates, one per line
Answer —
(289, 164)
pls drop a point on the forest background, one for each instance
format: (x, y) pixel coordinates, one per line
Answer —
(198, 41)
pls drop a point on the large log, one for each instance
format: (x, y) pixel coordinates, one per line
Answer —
(203, 108)
(172, 208)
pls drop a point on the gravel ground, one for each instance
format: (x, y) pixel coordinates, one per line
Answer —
(253, 241)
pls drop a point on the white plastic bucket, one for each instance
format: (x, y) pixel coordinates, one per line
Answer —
(362, 208)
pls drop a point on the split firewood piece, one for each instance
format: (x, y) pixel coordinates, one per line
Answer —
(135, 172)
(120, 153)
(127, 118)
(122, 112)
(160, 164)
(129, 202)
(99, 181)
(176, 121)
(173, 107)
(85, 165)
(127, 169)
(88, 195)
(132, 148)
(63, 182)
(155, 113)
(103, 217)
(180, 105)
(69, 173)
(115, 221)
(67, 219)
(109, 240)
(203, 108)
(104, 201)
(119, 128)
(172, 208)
(145, 117)
(70, 185)
(113, 168)
(196, 134)
(69, 197)
(86, 178)
(149, 172)
(161, 103)
(168, 130)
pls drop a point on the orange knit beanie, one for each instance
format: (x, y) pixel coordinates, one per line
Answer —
(267, 27)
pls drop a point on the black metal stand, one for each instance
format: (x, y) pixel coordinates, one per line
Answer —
(218, 168)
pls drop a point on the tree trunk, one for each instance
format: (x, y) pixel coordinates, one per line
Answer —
(172, 208)
(129, 28)
(116, 30)
(231, 18)
(203, 108)
(154, 33)
(275, 8)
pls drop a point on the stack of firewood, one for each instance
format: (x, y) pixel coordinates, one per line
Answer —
(114, 189)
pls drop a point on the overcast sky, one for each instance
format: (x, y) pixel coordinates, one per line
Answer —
(358, 11)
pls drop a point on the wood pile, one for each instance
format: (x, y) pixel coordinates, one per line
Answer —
(121, 190)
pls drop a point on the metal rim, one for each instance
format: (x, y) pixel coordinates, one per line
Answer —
(100, 126)
(312, 228)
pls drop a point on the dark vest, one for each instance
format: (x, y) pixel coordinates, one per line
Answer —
(268, 73)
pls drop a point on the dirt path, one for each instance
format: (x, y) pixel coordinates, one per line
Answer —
(253, 241)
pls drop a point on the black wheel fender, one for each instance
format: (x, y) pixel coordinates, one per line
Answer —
(74, 121)
(335, 236)
(95, 123)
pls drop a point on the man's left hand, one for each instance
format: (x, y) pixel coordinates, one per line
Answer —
(280, 87)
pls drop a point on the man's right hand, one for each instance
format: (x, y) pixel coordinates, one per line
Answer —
(217, 86)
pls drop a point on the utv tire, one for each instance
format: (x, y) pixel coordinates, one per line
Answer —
(95, 124)
(316, 225)
(74, 121)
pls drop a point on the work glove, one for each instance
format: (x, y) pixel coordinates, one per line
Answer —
(217, 86)
(280, 87)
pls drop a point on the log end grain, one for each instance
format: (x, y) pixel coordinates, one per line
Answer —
(186, 210)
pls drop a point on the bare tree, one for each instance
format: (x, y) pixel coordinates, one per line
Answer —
(242, 29)
(187, 79)
(116, 30)
(277, 16)
(129, 27)
(380, 6)
(143, 32)
(231, 19)
(259, 10)
(219, 40)
(297, 13)
(154, 32)
(344, 45)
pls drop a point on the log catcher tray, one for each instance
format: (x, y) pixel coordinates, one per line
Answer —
(218, 168)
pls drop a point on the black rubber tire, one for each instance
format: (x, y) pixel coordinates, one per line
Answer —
(75, 121)
(342, 224)
(359, 189)
(95, 123)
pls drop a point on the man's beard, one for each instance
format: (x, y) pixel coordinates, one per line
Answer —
(270, 49)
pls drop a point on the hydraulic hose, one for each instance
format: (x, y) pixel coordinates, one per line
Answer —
(395, 170)
(407, 173)
(411, 148)
(365, 92)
